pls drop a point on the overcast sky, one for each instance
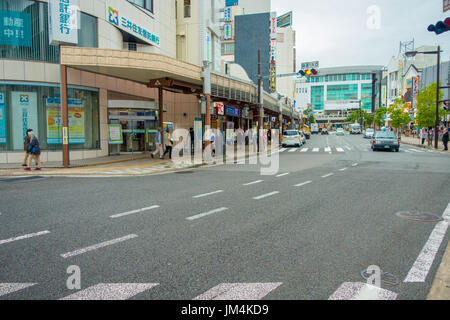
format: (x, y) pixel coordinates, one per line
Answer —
(335, 32)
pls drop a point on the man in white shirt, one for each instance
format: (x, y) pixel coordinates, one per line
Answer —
(159, 146)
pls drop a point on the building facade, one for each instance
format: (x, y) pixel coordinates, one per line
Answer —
(30, 79)
(335, 92)
(285, 60)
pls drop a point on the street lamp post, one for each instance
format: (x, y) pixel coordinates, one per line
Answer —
(438, 53)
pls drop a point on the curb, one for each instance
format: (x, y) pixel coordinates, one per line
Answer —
(440, 289)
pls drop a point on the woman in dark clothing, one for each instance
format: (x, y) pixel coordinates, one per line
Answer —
(445, 139)
(26, 143)
(34, 151)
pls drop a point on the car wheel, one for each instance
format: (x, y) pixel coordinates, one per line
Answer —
(397, 150)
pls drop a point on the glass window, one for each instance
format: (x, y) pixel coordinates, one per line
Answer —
(342, 92)
(187, 8)
(146, 4)
(317, 97)
(326, 78)
(40, 110)
(87, 35)
(366, 96)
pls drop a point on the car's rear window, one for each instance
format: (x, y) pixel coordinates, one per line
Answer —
(290, 133)
(387, 134)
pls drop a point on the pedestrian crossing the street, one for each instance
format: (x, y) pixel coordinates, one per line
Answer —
(222, 291)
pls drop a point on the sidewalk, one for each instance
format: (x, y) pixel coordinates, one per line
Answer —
(123, 165)
(418, 143)
(441, 284)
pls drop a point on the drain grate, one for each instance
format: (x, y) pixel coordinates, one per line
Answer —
(386, 278)
(419, 216)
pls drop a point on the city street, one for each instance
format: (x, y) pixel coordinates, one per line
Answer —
(228, 232)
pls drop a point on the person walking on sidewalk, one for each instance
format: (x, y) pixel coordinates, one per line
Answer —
(430, 137)
(423, 135)
(445, 139)
(34, 152)
(159, 146)
(169, 143)
(26, 143)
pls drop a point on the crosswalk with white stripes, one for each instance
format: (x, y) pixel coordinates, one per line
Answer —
(345, 149)
(223, 291)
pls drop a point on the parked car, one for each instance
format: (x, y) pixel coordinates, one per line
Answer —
(340, 132)
(385, 140)
(291, 138)
(368, 133)
(324, 131)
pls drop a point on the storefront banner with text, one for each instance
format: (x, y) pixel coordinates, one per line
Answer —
(54, 121)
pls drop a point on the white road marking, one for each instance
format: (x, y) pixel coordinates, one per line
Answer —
(340, 150)
(266, 195)
(97, 246)
(207, 194)
(254, 182)
(424, 261)
(133, 212)
(354, 165)
(361, 291)
(31, 235)
(343, 169)
(198, 216)
(328, 149)
(111, 291)
(303, 184)
(315, 150)
(407, 151)
(7, 288)
(304, 150)
(283, 149)
(282, 175)
(419, 151)
(239, 291)
(293, 150)
(328, 175)
(349, 148)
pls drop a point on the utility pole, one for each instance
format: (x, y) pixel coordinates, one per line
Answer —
(436, 126)
(260, 100)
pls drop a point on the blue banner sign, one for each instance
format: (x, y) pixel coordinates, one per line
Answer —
(232, 111)
(15, 28)
(231, 3)
(2, 119)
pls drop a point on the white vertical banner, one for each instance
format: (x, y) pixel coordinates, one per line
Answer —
(208, 46)
(217, 54)
(63, 21)
(24, 116)
(273, 26)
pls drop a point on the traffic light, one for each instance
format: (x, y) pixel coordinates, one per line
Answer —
(440, 26)
(308, 72)
(446, 105)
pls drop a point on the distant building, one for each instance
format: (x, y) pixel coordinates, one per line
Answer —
(336, 92)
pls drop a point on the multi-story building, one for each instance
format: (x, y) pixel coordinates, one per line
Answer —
(285, 57)
(198, 31)
(97, 96)
(231, 10)
(335, 92)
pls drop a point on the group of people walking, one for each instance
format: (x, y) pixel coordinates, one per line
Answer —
(32, 151)
(168, 143)
(428, 134)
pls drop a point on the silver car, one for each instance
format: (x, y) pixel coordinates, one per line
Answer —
(368, 133)
(291, 138)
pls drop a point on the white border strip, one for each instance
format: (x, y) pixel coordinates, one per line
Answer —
(266, 195)
(207, 194)
(303, 184)
(328, 175)
(254, 182)
(97, 246)
(424, 261)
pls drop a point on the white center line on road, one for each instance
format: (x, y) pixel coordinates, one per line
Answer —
(304, 150)
(26, 236)
(254, 182)
(343, 169)
(303, 184)
(266, 195)
(201, 215)
(207, 194)
(97, 246)
(424, 261)
(282, 175)
(328, 175)
(315, 150)
(133, 212)
(293, 150)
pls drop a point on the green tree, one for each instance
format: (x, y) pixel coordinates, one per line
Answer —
(426, 106)
(366, 117)
(354, 117)
(311, 119)
(399, 118)
(379, 116)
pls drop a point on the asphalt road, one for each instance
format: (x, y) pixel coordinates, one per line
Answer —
(328, 214)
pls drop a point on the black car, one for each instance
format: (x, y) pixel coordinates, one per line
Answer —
(385, 140)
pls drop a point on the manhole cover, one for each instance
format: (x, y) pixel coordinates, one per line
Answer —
(419, 216)
(387, 278)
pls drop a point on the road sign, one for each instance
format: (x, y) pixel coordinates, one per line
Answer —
(310, 65)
